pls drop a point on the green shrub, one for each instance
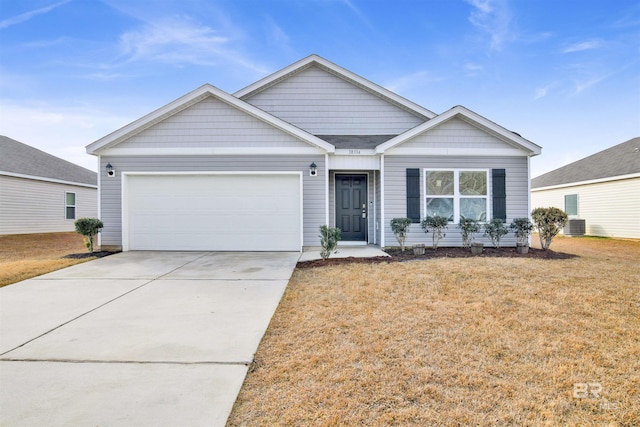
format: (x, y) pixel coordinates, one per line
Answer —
(522, 228)
(549, 222)
(468, 227)
(88, 227)
(329, 237)
(496, 230)
(400, 228)
(435, 224)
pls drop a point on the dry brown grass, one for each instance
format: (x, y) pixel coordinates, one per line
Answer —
(491, 341)
(23, 256)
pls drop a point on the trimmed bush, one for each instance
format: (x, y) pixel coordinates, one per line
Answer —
(88, 227)
(468, 227)
(400, 228)
(496, 230)
(549, 222)
(522, 228)
(329, 237)
(436, 225)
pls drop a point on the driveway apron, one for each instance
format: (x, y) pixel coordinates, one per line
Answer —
(136, 338)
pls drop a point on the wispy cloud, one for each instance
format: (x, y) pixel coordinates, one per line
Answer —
(473, 69)
(23, 17)
(411, 81)
(171, 42)
(106, 77)
(181, 42)
(358, 13)
(584, 84)
(276, 35)
(494, 18)
(541, 92)
(585, 45)
(60, 129)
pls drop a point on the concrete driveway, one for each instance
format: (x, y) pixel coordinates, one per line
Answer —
(137, 338)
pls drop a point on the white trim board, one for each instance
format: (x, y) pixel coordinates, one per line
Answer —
(591, 181)
(40, 178)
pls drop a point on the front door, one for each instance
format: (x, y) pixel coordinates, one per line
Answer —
(351, 206)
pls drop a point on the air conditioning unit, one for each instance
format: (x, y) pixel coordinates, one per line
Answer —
(575, 227)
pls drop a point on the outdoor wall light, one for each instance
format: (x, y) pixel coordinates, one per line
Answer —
(110, 170)
(313, 169)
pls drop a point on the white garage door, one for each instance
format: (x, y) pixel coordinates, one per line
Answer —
(222, 212)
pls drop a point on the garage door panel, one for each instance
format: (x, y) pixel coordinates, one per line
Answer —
(214, 212)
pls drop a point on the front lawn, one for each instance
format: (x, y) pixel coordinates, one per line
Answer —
(23, 256)
(465, 341)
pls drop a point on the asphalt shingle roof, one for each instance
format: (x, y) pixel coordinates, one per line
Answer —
(621, 159)
(19, 158)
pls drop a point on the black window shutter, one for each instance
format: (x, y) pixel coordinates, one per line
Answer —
(413, 194)
(499, 194)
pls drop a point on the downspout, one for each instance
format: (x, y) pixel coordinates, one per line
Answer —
(375, 203)
(529, 191)
(382, 201)
(326, 188)
(99, 195)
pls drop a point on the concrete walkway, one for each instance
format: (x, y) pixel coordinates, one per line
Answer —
(360, 251)
(137, 338)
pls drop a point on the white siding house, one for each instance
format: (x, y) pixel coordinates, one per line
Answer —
(309, 145)
(603, 189)
(40, 193)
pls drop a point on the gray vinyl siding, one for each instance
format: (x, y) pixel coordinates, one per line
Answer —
(455, 133)
(324, 104)
(609, 208)
(32, 206)
(211, 123)
(395, 192)
(313, 186)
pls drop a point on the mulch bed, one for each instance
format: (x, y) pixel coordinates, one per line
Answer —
(396, 255)
(83, 255)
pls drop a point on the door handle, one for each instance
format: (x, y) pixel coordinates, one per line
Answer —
(364, 213)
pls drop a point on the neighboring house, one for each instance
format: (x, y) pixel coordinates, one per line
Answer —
(309, 145)
(41, 193)
(603, 189)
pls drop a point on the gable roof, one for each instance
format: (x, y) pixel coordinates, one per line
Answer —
(356, 141)
(619, 160)
(470, 117)
(338, 71)
(22, 160)
(192, 98)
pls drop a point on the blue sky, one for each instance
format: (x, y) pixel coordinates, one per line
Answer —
(564, 74)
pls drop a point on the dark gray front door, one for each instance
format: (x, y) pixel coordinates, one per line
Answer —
(351, 206)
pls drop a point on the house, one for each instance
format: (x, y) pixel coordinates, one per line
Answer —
(41, 193)
(312, 144)
(603, 189)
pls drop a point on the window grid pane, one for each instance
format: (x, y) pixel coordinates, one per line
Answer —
(71, 212)
(473, 183)
(441, 206)
(440, 183)
(571, 204)
(474, 208)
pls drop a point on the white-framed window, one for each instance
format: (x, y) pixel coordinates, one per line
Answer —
(571, 204)
(70, 205)
(456, 193)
